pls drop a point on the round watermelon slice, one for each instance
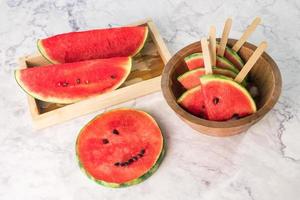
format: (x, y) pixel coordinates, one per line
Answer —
(195, 61)
(191, 79)
(120, 148)
(192, 101)
(71, 82)
(93, 44)
(225, 99)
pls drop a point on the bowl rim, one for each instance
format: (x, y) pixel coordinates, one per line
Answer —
(171, 100)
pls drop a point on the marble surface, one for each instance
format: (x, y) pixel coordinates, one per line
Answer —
(263, 163)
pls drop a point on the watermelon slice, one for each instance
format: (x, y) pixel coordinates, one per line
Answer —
(192, 101)
(93, 44)
(71, 82)
(191, 79)
(225, 99)
(120, 148)
(234, 58)
(195, 60)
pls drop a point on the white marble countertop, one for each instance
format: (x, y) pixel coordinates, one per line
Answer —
(263, 163)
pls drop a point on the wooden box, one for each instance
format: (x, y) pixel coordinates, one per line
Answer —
(144, 79)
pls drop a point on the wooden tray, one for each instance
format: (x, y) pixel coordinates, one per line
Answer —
(144, 79)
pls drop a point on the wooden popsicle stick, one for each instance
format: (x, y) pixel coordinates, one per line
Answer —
(250, 63)
(206, 56)
(224, 39)
(251, 28)
(212, 44)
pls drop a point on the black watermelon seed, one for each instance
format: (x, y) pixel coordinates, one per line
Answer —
(78, 80)
(140, 155)
(112, 76)
(142, 151)
(126, 163)
(65, 84)
(235, 116)
(115, 131)
(105, 141)
(135, 158)
(117, 164)
(86, 81)
(216, 100)
(130, 161)
(122, 164)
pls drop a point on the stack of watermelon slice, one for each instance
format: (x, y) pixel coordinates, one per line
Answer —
(85, 64)
(215, 97)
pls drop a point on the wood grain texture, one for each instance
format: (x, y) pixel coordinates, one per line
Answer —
(143, 79)
(224, 39)
(251, 62)
(212, 45)
(250, 29)
(269, 85)
(206, 56)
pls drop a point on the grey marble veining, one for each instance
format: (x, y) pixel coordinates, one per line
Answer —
(263, 163)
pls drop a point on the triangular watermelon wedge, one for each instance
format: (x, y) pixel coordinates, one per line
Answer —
(225, 99)
(192, 101)
(195, 61)
(71, 82)
(191, 79)
(93, 44)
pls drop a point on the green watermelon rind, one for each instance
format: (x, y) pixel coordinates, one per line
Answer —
(68, 100)
(44, 53)
(235, 55)
(202, 69)
(234, 74)
(143, 43)
(207, 78)
(232, 67)
(134, 181)
(189, 91)
(193, 56)
(221, 59)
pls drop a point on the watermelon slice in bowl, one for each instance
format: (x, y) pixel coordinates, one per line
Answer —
(120, 148)
(191, 78)
(72, 82)
(225, 99)
(192, 100)
(93, 44)
(195, 61)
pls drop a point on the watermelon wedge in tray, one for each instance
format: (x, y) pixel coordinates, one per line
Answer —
(71, 82)
(93, 44)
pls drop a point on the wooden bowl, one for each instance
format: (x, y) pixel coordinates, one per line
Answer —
(265, 74)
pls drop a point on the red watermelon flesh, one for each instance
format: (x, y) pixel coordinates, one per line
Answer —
(191, 79)
(93, 44)
(195, 61)
(120, 148)
(225, 99)
(192, 100)
(71, 82)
